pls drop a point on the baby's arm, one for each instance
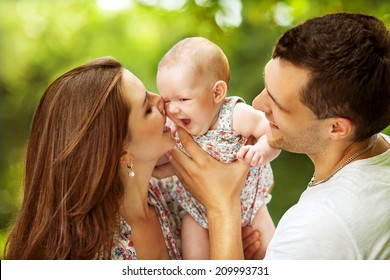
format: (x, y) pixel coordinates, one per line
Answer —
(248, 121)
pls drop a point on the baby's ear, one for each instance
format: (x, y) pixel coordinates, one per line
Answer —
(219, 91)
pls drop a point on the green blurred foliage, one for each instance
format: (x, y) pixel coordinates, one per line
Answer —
(42, 39)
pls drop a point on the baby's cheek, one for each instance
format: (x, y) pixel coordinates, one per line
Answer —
(170, 116)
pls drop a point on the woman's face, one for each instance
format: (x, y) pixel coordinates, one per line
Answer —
(150, 138)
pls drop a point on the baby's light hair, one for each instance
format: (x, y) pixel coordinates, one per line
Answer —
(204, 57)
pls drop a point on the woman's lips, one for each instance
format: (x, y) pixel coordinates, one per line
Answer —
(166, 129)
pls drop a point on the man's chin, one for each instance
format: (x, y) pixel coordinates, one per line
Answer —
(275, 142)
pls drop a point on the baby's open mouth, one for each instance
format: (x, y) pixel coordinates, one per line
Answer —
(186, 121)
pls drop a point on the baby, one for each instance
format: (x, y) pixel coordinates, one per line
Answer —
(193, 80)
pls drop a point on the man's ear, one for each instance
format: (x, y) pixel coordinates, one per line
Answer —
(219, 91)
(341, 128)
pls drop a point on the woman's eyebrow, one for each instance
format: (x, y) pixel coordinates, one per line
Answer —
(146, 98)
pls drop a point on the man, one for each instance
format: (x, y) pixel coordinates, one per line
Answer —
(327, 95)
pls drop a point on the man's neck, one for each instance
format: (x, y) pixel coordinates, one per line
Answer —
(329, 161)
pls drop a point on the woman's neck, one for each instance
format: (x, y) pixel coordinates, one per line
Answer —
(135, 202)
(141, 216)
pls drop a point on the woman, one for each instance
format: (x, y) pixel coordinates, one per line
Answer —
(94, 141)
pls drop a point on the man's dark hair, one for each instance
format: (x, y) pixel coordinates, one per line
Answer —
(348, 56)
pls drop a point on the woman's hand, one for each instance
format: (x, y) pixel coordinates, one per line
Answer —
(208, 180)
(217, 186)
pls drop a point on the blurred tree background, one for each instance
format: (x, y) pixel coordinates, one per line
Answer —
(42, 39)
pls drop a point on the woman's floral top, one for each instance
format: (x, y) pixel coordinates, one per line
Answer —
(123, 247)
(223, 144)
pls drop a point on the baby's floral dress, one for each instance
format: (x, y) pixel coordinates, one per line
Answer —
(223, 144)
(123, 248)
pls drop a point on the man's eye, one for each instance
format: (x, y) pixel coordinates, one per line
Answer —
(149, 110)
(183, 99)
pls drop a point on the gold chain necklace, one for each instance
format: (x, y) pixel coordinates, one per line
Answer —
(369, 147)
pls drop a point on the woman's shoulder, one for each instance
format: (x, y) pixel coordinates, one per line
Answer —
(123, 247)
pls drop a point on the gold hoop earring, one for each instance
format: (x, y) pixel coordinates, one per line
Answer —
(131, 171)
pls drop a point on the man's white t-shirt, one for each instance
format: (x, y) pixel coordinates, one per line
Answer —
(347, 217)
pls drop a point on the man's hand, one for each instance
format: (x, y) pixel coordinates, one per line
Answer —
(255, 242)
(251, 243)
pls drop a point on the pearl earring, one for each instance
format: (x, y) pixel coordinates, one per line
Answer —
(131, 171)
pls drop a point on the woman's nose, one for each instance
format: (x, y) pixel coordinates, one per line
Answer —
(157, 101)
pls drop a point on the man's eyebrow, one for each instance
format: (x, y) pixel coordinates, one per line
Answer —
(274, 100)
(271, 96)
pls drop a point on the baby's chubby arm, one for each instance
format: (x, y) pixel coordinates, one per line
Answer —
(248, 122)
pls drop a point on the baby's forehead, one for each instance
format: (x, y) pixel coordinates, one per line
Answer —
(187, 69)
(176, 70)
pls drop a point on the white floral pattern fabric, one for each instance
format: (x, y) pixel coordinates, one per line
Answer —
(223, 144)
(123, 248)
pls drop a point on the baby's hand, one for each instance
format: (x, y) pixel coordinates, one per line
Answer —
(259, 154)
(252, 155)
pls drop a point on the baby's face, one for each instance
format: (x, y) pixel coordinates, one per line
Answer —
(188, 102)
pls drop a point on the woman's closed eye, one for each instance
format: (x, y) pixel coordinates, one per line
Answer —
(149, 109)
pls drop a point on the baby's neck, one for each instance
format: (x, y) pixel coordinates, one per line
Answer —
(214, 124)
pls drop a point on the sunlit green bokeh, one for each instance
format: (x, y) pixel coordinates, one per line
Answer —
(42, 39)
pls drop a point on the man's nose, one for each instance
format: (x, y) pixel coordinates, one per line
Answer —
(261, 102)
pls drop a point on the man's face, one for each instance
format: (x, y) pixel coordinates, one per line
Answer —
(293, 126)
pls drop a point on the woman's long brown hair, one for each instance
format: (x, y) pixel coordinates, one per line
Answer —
(72, 190)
